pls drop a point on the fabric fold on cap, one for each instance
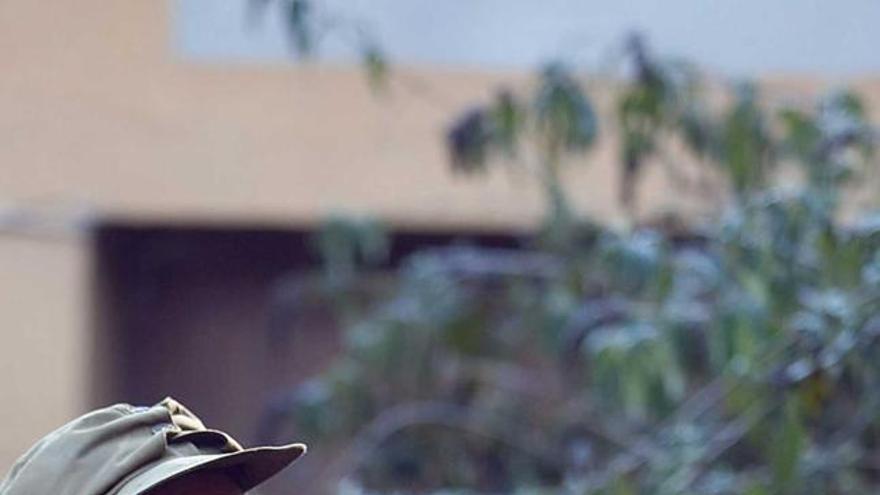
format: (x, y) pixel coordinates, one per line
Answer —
(126, 450)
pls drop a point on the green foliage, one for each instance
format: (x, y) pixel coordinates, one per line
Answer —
(375, 65)
(747, 149)
(740, 356)
(744, 361)
(307, 24)
(559, 119)
(346, 243)
(300, 25)
(564, 115)
(786, 451)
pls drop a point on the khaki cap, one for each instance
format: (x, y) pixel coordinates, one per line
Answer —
(126, 450)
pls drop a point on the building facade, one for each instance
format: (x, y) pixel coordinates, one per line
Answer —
(102, 123)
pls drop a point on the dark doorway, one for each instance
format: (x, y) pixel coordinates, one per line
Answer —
(187, 311)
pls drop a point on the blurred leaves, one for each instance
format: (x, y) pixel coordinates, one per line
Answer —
(564, 115)
(735, 357)
(307, 24)
(346, 243)
(832, 142)
(559, 122)
(300, 25)
(723, 366)
(375, 66)
(747, 150)
(468, 141)
(508, 119)
(787, 450)
(482, 132)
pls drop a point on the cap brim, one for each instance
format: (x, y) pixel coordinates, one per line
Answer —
(249, 467)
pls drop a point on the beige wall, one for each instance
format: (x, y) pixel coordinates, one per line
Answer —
(97, 111)
(42, 338)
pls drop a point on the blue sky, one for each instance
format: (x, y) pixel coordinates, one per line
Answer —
(733, 37)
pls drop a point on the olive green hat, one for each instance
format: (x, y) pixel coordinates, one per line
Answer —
(126, 450)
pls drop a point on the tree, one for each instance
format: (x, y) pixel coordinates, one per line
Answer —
(735, 357)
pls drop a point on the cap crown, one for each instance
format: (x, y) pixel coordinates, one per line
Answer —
(96, 453)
